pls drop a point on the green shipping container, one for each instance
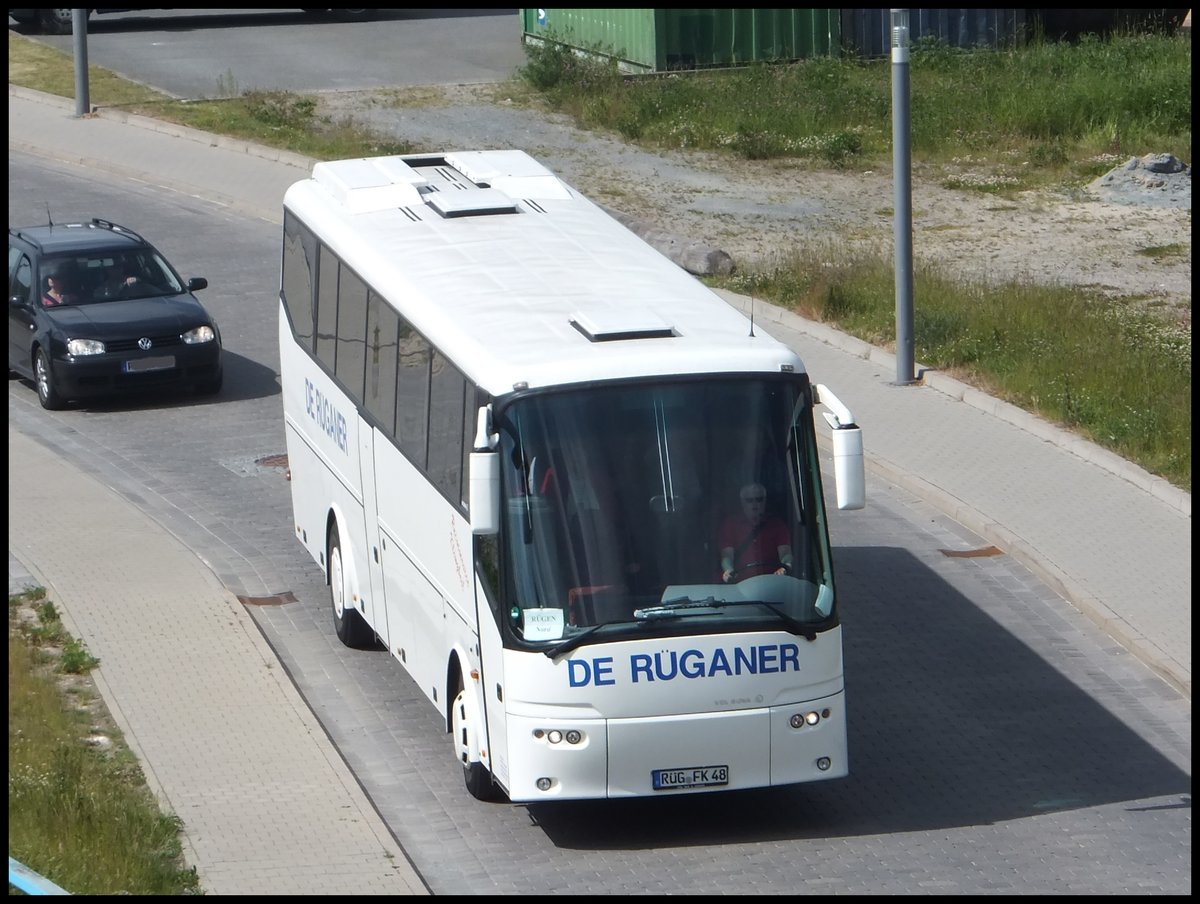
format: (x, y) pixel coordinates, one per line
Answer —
(661, 40)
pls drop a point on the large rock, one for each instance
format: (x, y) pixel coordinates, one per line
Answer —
(1158, 180)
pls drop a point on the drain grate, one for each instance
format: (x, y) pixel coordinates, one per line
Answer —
(273, 461)
(279, 599)
(256, 465)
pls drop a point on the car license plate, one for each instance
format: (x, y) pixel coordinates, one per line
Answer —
(689, 777)
(141, 365)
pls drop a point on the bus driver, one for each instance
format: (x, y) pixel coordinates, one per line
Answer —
(753, 542)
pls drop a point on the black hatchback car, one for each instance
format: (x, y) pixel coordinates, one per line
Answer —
(94, 309)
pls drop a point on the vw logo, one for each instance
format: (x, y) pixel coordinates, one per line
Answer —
(144, 344)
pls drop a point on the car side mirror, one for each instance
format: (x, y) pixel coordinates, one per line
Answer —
(196, 283)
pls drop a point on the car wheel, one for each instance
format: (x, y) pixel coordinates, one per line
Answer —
(55, 21)
(44, 378)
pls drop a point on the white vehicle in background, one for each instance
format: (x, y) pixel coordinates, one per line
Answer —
(513, 431)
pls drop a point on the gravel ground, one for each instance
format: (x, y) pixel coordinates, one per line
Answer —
(755, 211)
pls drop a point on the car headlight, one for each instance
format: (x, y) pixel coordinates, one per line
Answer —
(85, 347)
(198, 335)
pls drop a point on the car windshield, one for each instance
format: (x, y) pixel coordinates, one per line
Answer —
(623, 502)
(108, 276)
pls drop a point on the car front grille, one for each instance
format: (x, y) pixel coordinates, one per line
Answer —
(129, 345)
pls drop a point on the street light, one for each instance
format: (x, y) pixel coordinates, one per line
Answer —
(902, 187)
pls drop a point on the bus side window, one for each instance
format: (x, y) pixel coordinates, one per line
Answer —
(327, 305)
(351, 332)
(299, 262)
(445, 426)
(412, 394)
(383, 331)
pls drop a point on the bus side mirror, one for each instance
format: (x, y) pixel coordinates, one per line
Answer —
(485, 493)
(849, 473)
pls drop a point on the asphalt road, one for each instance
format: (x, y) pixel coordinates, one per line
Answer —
(999, 742)
(207, 53)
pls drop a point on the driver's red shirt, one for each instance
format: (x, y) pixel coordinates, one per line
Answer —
(762, 552)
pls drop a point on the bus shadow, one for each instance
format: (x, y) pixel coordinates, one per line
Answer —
(954, 721)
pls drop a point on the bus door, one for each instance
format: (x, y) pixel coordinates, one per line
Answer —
(377, 609)
(491, 658)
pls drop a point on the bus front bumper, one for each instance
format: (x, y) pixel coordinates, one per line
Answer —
(568, 759)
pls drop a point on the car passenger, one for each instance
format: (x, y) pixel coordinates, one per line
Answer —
(62, 287)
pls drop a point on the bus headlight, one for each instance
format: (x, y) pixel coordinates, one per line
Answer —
(799, 720)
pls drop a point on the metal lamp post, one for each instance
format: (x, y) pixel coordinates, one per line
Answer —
(83, 103)
(902, 187)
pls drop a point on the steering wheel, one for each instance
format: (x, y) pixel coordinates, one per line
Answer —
(770, 568)
(771, 565)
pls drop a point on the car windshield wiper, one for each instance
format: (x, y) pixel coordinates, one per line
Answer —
(685, 606)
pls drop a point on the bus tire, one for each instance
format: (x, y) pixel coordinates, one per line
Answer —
(476, 775)
(348, 622)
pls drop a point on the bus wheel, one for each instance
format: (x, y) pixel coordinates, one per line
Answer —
(349, 624)
(476, 775)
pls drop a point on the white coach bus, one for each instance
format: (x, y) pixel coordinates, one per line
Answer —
(533, 457)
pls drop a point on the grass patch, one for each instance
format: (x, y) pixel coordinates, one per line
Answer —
(276, 119)
(1166, 252)
(1119, 376)
(79, 810)
(1044, 114)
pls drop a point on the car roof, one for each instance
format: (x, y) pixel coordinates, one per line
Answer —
(71, 237)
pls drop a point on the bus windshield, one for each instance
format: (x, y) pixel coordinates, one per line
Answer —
(667, 507)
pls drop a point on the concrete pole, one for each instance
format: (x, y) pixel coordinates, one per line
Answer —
(902, 186)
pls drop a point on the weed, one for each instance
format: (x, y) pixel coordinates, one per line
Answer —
(78, 813)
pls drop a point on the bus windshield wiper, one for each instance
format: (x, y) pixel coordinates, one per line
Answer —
(571, 643)
(672, 608)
